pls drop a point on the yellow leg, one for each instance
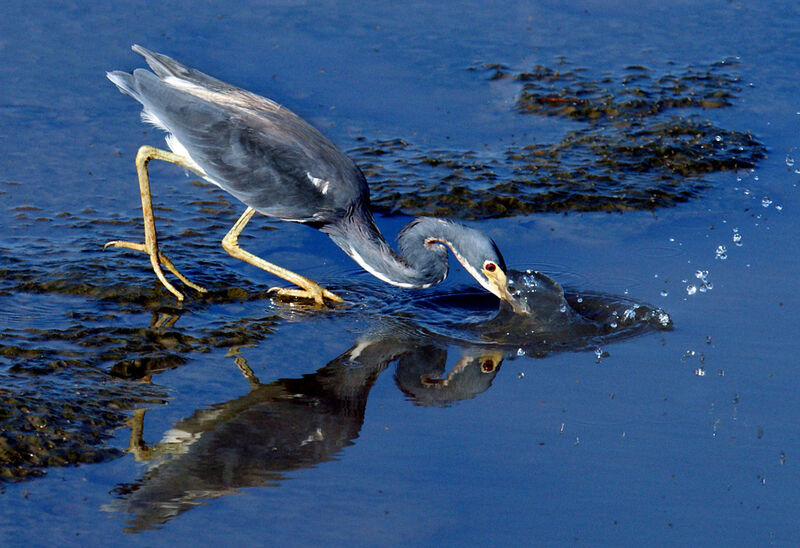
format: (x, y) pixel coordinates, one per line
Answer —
(310, 289)
(150, 245)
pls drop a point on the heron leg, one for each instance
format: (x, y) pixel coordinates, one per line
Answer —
(310, 289)
(150, 245)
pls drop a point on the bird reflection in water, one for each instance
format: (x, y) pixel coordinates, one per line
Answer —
(286, 425)
(296, 423)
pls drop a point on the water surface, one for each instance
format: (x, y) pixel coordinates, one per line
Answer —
(396, 420)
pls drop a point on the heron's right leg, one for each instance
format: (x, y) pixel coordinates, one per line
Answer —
(310, 289)
(150, 245)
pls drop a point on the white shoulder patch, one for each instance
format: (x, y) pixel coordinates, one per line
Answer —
(321, 184)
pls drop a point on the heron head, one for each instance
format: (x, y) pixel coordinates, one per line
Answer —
(481, 257)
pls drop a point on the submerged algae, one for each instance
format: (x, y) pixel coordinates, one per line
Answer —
(643, 143)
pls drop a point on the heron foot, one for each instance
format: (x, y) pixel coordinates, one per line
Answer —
(315, 292)
(162, 260)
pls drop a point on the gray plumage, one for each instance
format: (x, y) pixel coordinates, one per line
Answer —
(272, 160)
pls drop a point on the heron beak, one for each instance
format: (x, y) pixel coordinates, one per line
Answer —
(498, 284)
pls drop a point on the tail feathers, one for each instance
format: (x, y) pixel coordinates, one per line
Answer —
(140, 84)
(124, 81)
(162, 65)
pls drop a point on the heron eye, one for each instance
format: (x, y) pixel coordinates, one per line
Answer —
(487, 366)
(490, 267)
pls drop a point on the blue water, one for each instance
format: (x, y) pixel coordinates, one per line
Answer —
(688, 436)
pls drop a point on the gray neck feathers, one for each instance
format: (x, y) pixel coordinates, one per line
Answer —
(421, 263)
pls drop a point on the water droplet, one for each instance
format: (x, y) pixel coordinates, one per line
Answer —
(737, 238)
(779, 207)
(766, 202)
(789, 161)
(664, 319)
(563, 309)
(664, 292)
(521, 375)
(700, 372)
(520, 352)
(701, 274)
(629, 315)
(613, 325)
(718, 138)
(691, 289)
(580, 299)
(721, 253)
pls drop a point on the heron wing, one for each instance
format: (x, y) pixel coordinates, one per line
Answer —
(261, 153)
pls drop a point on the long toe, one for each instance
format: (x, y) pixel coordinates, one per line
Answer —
(332, 296)
(318, 296)
(127, 245)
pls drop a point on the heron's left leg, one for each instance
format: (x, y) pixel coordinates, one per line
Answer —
(150, 245)
(310, 289)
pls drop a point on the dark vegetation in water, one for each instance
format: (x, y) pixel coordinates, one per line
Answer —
(643, 142)
(66, 387)
(57, 412)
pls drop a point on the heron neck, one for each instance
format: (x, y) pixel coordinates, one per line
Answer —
(419, 266)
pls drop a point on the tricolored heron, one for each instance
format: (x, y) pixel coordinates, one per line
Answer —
(278, 165)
